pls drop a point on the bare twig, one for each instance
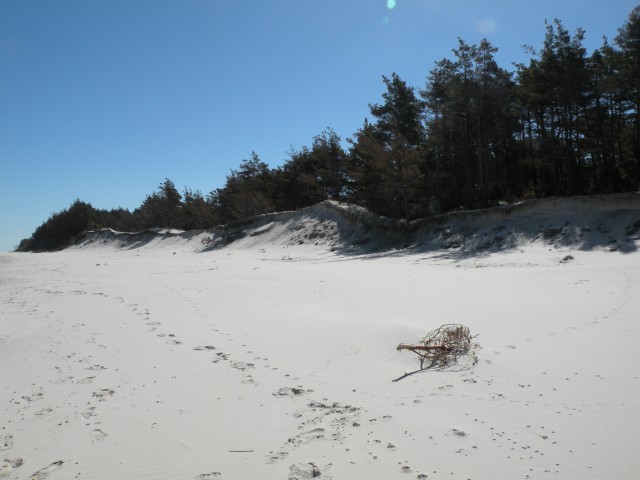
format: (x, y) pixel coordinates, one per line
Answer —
(447, 347)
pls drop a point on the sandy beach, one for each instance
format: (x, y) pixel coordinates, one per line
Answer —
(278, 361)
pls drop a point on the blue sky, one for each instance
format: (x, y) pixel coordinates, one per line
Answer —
(102, 99)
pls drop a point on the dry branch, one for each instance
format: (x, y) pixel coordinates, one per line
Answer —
(449, 346)
(404, 346)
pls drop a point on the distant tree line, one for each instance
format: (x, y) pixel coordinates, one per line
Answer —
(566, 123)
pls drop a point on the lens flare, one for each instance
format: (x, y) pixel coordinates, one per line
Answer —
(391, 4)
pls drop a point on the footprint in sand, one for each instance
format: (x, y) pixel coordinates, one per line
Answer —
(306, 437)
(62, 380)
(8, 465)
(33, 397)
(97, 435)
(290, 391)
(242, 365)
(103, 394)
(6, 442)
(44, 411)
(220, 356)
(96, 368)
(86, 380)
(277, 456)
(44, 473)
(301, 471)
(154, 326)
(87, 414)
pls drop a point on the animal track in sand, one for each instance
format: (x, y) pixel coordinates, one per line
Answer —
(44, 473)
(172, 339)
(220, 356)
(96, 368)
(6, 442)
(291, 391)
(103, 394)
(87, 414)
(154, 326)
(33, 397)
(62, 380)
(205, 347)
(384, 418)
(277, 456)
(86, 380)
(237, 365)
(97, 435)
(44, 411)
(51, 292)
(445, 387)
(242, 365)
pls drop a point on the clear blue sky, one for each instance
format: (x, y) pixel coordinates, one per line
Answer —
(102, 99)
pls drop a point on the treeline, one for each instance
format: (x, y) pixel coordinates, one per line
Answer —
(476, 134)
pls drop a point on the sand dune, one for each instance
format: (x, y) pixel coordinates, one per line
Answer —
(580, 222)
(266, 349)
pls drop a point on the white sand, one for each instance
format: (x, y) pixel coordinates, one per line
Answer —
(254, 361)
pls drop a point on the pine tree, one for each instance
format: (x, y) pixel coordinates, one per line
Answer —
(196, 213)
(628, 40)
(246, 192)
(387, 155)
(161, 209)
(471, 123)
(327, 159)
(554, 89)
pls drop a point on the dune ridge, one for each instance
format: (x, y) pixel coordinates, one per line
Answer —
(605, 221)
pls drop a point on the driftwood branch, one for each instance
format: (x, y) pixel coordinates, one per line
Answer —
(448, 347)
(426, 348)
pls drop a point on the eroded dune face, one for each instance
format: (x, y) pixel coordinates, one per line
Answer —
(610, 222)
(272, 354)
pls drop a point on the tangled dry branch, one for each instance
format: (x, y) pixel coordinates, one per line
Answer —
(448, 347)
